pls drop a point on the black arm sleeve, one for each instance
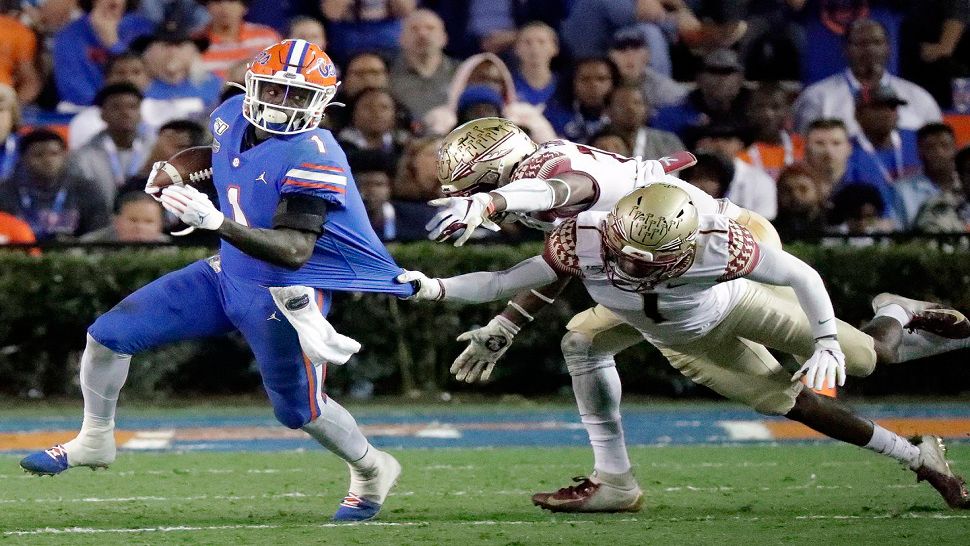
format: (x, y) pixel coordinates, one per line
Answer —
(302, 212)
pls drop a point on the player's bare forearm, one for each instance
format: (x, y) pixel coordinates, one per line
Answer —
(525, 305)
(286, 247)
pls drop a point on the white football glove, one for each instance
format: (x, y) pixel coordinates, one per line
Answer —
(487, 345)
(424, 288)
(826, 367)
(468, 213)
(192, 207)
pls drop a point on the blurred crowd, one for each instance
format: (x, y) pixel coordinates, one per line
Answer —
(826, 116)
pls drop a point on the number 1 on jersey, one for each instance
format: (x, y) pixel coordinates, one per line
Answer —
(232, 194)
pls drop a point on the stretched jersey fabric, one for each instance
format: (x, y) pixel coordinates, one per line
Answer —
(612, 176)
(348, 256)
(677, 310)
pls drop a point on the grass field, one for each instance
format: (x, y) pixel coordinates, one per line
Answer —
(786, 494)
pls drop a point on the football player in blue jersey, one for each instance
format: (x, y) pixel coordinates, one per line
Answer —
(292, 222)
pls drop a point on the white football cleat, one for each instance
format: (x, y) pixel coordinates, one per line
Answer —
(913, 307)
(927, 316)
(368, 490)
(600, 492)
(934, 468)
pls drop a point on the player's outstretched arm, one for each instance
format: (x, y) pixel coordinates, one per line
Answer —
(522, 196)
(483, 286)
(777, 267)
(487, 344)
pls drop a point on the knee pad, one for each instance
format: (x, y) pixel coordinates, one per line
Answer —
(860, 359)
(581, 355)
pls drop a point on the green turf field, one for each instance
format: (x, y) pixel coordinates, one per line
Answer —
(793, 494)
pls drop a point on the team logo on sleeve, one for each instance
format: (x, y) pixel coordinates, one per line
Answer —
(297, 303)
(219, 126)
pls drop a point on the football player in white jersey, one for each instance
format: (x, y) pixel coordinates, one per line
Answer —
(683, 279)
(493, 172)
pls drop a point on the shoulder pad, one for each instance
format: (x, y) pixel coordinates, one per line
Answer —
(560, 251)
(743, 252)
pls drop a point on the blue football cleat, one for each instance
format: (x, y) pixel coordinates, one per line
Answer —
(354, 508)
(49, 462)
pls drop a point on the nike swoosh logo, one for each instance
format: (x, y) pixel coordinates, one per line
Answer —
(824, 321)
(672, 285)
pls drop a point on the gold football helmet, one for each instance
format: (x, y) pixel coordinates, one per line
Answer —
(480, 155)
(649, 237)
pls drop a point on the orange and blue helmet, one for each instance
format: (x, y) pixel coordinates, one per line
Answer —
(288, 86)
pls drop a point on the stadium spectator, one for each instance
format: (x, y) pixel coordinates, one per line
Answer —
(492, 25)
(827, 151)
(137, 218)
(231, 39)
(774, 146)
(590, 25)
(720, 97)
(364, 70)
(536, 45)
(882, 153)
(416, 183)
(119, 151)
(124, 68)
(487, 69)
(82, 48)
(934, 46)
(750, 186)
(858, 209)
(421, 74)
(867, 49)
(18, 57)
(170, 15)
(364, 26)
(478, 101)
(373, 173)
(307, 28)
(180, 86)
(801, 204)
(14, 231)
(937, 186)
(55, 203)
(579, 109)
(712, 173)
(771, 48)
(611, 140)
(9, 123)
(828, 23)
(631, 54)
(628, 112)
(374, 124)
(173, 137)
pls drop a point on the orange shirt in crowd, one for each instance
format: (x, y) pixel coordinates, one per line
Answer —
(19, 45)
(772, 158)
(13, 231)
(222, 54)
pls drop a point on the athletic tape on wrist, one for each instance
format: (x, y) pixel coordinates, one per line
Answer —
(521, 311)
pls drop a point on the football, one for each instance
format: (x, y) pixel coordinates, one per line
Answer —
(191, 166)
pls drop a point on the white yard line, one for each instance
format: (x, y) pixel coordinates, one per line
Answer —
(652, 520)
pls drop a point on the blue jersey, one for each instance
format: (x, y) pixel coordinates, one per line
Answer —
(348, 256)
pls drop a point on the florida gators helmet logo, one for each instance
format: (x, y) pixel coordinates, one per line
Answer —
(288, 86)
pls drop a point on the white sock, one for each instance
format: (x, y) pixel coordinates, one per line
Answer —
(598, 398)
(337, 431)
(889, 443)
(895, 311)
(920, 344)
(103, 373)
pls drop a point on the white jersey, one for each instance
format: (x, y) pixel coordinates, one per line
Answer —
(675, 311)
(612, 175)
